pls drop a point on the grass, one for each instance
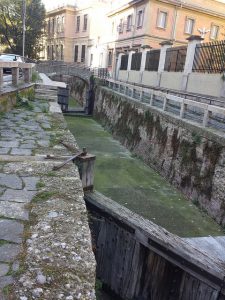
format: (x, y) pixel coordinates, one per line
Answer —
(43, 196)
(40, 185)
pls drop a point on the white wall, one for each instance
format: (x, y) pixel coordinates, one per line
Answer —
(122, 75)
(150, 78)
(206, 84)
(171, 80)
(134, 76)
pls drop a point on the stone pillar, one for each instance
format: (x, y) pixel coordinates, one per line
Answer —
(145, 49)
(131, 52)
(85, 163)
(1, 77)
(15, 75)
(118, 64)
(164, 46)
(27, 75)
(192, 42)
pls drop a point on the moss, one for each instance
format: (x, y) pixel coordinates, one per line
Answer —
(175, 142)
(43, 196)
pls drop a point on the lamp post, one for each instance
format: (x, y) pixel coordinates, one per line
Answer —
(24, 25)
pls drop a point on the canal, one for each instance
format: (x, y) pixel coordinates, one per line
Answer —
(128, 181)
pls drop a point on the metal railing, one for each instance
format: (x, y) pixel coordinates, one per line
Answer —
(152, 60)
(209, 57)
(136, 61)
(188, 110)
(124, 62)
(175, 59)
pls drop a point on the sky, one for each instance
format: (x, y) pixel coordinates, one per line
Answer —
(51, 4)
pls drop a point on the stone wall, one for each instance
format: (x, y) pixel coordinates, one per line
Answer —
(78, 87)
(191, 157)
(8, 99)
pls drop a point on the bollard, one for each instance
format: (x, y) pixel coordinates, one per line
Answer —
(85, 163)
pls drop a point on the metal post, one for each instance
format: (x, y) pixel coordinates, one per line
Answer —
(24, 25)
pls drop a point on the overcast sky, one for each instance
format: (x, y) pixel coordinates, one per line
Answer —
(50, 4)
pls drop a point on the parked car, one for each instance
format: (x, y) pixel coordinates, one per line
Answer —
(8, 58)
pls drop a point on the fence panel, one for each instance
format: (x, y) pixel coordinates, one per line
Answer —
(152, 60)
(175, 59)
(124, 62)
(209, 57)
(136, 61)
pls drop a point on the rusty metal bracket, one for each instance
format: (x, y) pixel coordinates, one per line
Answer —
(72, 158)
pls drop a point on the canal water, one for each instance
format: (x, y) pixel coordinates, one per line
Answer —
(128, 181)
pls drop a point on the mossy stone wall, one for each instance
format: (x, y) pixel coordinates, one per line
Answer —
(8, 99)
(190, 157)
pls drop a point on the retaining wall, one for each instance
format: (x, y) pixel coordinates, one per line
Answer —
(191, 157)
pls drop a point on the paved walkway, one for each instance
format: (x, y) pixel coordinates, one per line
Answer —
(47, 81)
(27, 135)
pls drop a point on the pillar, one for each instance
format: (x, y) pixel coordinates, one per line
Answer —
(144, 51)
(1, 77)
(164, 46)
(118, 64)
(27, 75)
(15, 75)
(131, 52)
(85, 163)
(192, 43)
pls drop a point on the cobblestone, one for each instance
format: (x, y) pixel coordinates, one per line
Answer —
(25, 138)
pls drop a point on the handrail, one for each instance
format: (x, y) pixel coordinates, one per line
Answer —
(183, 108)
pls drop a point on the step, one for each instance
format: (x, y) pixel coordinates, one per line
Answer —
(46, 87)
(46, 97)
(41, 91)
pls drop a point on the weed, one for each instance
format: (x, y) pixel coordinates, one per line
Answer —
(40, 185)
(43, 196)
(3, 242)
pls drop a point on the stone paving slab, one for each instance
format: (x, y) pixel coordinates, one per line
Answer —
(20, 151)
(22, 196)
(10, 181)
(9, 252)
(4, 281)
(14, 210)
(4, 269)
(11, 231)
(30, 183)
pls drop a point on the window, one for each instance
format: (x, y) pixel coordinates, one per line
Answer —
(49, 26)
(78, 23)
(48, 52)
(120, 27)
(53, 25)
(58, 24)
(140, 17)
(161, 20)
(91, 60)
(83, 53)
(62, 25)
(57, 52)
(85, 22)
(112, 27)
(214, 32)
(129, 22)
(110, 54)
(62, 54)
(76, 53)
(53, 53)
(189, 26)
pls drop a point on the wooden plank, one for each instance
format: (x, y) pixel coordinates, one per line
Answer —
(171, 247)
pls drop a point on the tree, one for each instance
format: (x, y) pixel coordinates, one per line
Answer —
(11, 26)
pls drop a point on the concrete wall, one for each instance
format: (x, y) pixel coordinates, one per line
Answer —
(171, 80)
(189, 156)
(150, 78)
(207, 84)
(8, 100)
(134, 76)
(122, 75)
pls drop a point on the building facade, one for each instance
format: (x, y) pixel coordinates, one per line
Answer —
(93, 35)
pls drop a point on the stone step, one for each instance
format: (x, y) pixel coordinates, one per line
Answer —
(46, 97)
(47, 87)
(41, 91)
